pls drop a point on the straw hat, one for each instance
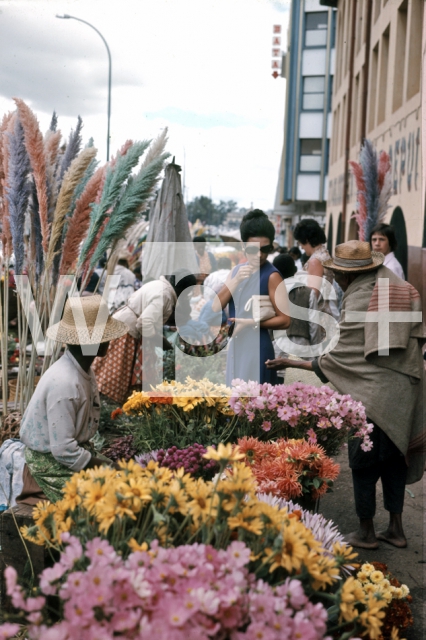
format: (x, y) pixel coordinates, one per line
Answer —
(90, 329)
(354, 256)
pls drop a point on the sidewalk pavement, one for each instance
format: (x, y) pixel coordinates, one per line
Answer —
(408, 565)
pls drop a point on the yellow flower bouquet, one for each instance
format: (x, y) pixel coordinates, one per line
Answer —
(179, 414)
(134, 506)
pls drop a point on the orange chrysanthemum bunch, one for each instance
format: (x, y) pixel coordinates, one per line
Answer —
(289, 469)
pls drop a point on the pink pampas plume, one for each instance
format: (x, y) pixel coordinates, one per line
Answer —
(52, 140)
(361, 215)
(383, 168)
(122, 152)
(3, 141)
(6, 236)
(3, 128)
(79, 223)
(35, 147)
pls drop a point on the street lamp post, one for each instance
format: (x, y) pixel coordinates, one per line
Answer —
(67, 17)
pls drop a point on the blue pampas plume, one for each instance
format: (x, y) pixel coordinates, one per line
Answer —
(18, 191)
(54, 122)
(368, 161)
(115, 180)
(137, 191)
(72, 150)
(36, 236)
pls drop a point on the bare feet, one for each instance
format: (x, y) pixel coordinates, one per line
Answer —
(394, 534)
(390, 537)
(359, 539)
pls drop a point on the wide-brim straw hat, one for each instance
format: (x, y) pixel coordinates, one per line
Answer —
(354, 256)
(86, 320)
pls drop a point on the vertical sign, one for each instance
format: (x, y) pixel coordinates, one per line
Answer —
(276, 51)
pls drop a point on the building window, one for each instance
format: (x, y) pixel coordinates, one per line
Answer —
(415, 49)
(313, 93)
(316, 29)
(383, 77)
(310, 156)
(372, 94)
(399, 65)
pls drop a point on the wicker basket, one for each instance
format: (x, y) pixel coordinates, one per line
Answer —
(10, 426)
(13, 384)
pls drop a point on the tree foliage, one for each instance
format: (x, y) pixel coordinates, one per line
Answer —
(208, 212)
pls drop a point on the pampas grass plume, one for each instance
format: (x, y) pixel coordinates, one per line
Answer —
(35, 148)
(18, 191)
(79, 223)
(156, 148)
(52, 141)
(69, 184)
(383, 168)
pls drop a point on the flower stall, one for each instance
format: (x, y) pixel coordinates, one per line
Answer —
(144, 550)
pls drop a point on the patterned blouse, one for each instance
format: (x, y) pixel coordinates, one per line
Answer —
(321, 254)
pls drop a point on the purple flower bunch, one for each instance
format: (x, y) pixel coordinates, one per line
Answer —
(191, 592)
(190, 458)
(121, 448)
(301, 411)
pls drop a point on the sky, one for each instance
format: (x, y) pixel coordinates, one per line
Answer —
(200, 67)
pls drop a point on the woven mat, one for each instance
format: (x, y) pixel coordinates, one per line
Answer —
(305, 377)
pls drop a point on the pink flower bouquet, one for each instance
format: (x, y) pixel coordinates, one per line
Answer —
(318, 414)
(192, 592)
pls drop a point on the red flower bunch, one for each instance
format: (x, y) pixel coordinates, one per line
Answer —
(289, 468)
(116, 413)
(158, 397)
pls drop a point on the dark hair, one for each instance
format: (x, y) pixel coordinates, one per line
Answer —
(199, 239)
(309, 231)
(283, 250)
(256, 224)
(181, 280)
(91, 285)
(102, 262)
(285, 265)
(385, 230)
(295, 251)
(224, 263)
(123, 262)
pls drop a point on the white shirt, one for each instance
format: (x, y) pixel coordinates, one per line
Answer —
(394, 265)
(118, 297)
(63, 412)
(215, 282)
(148, 308)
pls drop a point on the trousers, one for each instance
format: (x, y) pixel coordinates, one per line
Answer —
(384, 462)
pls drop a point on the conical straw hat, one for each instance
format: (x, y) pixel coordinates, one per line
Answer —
(86, 320)
(354, 256)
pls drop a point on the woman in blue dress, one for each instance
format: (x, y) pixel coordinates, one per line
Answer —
(251, 344)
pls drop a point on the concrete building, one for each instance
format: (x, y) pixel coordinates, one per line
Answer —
(376, 95)
(309, 68)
